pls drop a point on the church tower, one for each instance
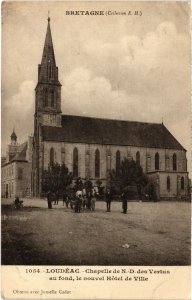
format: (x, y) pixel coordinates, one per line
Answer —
(48, 89)
(47, 105)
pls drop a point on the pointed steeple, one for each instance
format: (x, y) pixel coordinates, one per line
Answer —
(13, 138)
(48, 51)
(48, 89)
(47, 70)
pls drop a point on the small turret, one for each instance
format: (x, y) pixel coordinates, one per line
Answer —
(13, 138)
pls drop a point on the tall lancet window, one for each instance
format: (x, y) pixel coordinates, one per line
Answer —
(118, 162)
(168, 183)
(157, 161)
(45, 97)
(97, 163)
(52, 98)
(138, 158)
(75, 162)
(51, 156)
(182, 183)
(174, 162)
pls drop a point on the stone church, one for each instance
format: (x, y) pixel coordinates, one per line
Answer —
(92, 147)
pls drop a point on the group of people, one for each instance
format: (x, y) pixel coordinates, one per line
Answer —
(84, 199)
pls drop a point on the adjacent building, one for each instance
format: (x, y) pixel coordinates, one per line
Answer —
(16, 169)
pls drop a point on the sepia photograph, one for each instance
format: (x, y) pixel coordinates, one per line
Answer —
(95, 134)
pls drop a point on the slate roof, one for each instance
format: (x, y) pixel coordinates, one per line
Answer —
(77, 129)
(21, 153)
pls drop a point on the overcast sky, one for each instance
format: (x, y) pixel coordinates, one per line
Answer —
(120, 67)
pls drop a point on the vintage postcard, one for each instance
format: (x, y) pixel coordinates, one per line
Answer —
(95, 163)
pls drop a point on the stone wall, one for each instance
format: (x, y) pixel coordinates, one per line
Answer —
(8, 176)
(63, 153)
(174, 190)
(17, 176)
(23, 184)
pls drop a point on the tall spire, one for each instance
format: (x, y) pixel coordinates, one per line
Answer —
(48, 17)
(48, 51)
(47, 70)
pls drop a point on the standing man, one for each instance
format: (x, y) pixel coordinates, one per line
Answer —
(84, 193)
(89, 197)
(57, 197)
(93, 199)
(49, 200)
(108, 198)
(64, 198)
(78, 201)
(124, 202)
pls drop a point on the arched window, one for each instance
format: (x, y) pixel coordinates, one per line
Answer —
(75, 162)
(118, 162)
(97, 163)
(45, 97)
(138, 158)
(157, 161)
(182, 183)
(168, 183)
(51, 156)
(174, 162)
(62, 155)
(52, 98)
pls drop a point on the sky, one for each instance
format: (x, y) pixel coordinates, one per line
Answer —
(125, 67)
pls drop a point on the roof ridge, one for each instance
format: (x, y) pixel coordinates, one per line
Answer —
(118, 120)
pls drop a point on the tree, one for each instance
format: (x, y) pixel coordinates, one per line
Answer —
(129, 175)
(56, 178)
